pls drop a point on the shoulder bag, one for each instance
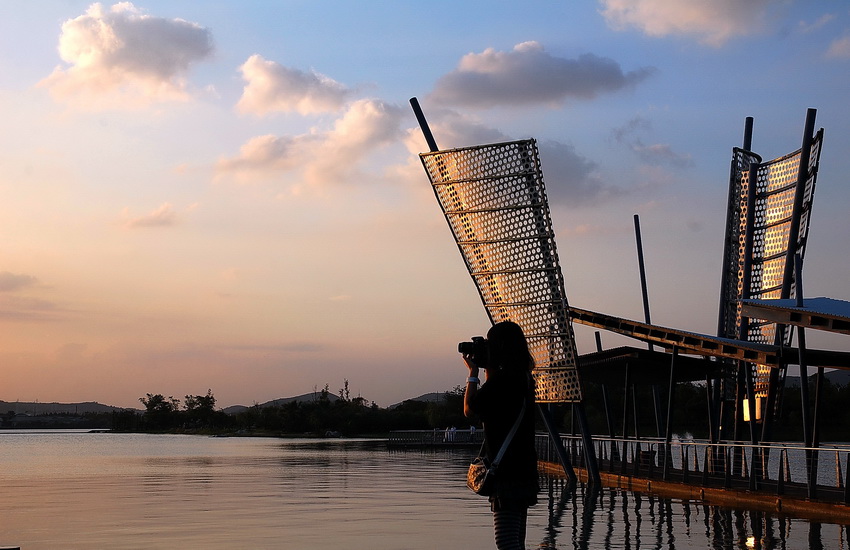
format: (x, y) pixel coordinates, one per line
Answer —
(480, 477)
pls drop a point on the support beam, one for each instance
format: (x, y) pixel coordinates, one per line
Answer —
(557, 443)
(668, 431)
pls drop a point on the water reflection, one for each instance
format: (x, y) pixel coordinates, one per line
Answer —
(587, 517)
(144, 491)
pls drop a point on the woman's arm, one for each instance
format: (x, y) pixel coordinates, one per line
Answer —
(471, 386)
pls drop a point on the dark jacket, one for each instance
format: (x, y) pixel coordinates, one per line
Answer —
(498, 404)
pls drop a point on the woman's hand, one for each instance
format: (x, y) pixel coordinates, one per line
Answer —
(470, 364)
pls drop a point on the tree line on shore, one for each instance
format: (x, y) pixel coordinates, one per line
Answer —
(325, 414)
(352, 416)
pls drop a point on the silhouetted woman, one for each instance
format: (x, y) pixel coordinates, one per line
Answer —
(498, 404)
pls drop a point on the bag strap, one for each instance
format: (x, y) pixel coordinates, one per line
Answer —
(510, 436)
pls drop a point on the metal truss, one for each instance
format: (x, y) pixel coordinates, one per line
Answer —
(494, 201)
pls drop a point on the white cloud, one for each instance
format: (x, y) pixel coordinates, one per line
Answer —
(121, 57)
(840, 48)
(805, 27)
(529, 75)
(713, 21)
(266, 154)
(164, 216)
(271, 87)
(320, 157)
(365, 127)
(452, 129)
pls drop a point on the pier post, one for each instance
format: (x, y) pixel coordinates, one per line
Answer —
(557, 443)
(668, 430)
(847, 481)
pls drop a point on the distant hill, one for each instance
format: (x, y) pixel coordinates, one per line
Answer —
(837, 377)
(33, 409)
(433, 397)
(29, 408)
(305, 398)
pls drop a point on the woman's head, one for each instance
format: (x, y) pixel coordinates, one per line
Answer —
(508, 347)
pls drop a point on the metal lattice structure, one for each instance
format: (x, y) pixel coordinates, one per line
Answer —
(768, 222)
(494, 200)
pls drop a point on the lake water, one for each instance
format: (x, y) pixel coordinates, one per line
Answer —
(132, 491)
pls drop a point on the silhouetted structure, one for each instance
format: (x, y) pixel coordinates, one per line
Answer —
(495, 203)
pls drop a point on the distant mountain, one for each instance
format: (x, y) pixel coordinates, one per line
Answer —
(305, 398)
(837, 377)
(433, 397)
(33, 409)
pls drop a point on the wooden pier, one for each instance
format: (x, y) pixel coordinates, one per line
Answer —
(770, 478)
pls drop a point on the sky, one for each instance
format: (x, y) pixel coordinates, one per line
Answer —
(228, 195)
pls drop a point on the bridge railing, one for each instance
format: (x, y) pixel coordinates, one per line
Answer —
(775, 467)
(435, 438)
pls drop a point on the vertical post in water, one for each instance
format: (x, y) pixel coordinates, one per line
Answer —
(668, 430)
(656, 394)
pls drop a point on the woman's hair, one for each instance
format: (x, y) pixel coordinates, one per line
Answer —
(508, 347)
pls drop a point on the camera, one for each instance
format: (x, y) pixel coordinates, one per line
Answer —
(477, 350)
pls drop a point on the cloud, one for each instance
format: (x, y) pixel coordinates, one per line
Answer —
(528, 75)
(265, 154)
(654, 154)
(319, 157)
(22, 308)
(126, 57)
(284, 348)
(164, 216)
(840, 48)
(714, 22)
(805, 27)
(10, 282)
(452, 129)
(570, 178)
(661, 153)
(271, 87)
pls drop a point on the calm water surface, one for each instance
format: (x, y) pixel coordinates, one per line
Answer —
(98, 491)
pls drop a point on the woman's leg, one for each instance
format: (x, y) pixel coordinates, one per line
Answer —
(509, 523)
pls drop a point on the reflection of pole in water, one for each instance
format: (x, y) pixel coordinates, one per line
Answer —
(637, 521)
(656, 521)
(626, 520)
(741, 528)
(612, 501)
(668, 512)
(638, 518)
(590, 501)
(815, 541)
(556, 510)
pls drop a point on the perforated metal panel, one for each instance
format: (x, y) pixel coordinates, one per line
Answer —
(494, 200)
(763, 210)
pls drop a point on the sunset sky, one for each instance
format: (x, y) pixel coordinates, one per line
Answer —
(227, 195)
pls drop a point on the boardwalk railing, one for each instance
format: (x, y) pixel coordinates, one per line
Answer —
(435, 438)
(777, 468)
